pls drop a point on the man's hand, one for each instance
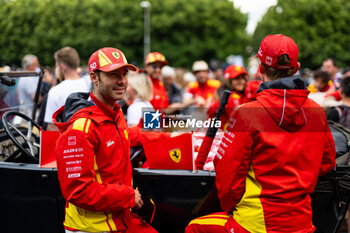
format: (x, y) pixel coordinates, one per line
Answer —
(138, 199)
(201, 102)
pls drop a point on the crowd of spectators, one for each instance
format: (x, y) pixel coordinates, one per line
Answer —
(169, 90)
(158, 86)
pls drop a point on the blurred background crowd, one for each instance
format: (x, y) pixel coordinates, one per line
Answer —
(187, 52)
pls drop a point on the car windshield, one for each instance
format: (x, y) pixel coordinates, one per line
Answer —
(19, 92)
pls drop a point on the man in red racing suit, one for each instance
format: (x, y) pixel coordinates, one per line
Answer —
(272, 152)
(93, 152)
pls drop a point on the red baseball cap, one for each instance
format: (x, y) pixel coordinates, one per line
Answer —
(274, 46)
(233, 71)
(108, 59)
(155, 57)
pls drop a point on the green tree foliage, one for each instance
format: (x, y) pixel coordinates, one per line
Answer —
(183, 30)
(197, 29)
(17, 20)
(319, 27)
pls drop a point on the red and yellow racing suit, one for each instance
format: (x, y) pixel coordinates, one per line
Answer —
(160, 99)
(269, 160)
(206, 90)
(93, 163)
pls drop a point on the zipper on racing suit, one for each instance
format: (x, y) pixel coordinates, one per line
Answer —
(116, 125)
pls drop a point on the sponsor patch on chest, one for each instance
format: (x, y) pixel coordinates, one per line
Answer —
(109, 143)
(72, 140)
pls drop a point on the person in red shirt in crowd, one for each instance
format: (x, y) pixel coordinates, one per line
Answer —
(251, 89)
(202, 91)
(242, 91)
(330, 65)
(93, 152)
(272, 152)
(154, 63)
(235, 81)
(236, 78)
(322, 82)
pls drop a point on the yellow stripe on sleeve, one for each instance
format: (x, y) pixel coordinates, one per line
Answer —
(126, 134)
(110, 222)
(209, 221)
(97, 173)
(214, 215)
(87, 125)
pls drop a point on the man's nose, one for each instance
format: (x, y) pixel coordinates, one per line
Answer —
(123, 80)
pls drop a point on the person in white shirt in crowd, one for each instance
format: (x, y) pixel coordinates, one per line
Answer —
(27, 85)
(139, 92)
(67, 63)
(175, 93)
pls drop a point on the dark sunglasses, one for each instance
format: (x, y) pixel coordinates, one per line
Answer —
(155, 66)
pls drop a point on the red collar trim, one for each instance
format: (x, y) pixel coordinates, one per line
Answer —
(109, 112)
(155, 81)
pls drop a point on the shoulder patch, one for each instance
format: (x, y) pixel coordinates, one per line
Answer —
(193, 85)
(214, 83)
(209, 95)
(82, 124)
(312, 88)
(235, 96)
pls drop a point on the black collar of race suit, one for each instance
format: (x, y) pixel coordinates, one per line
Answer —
(74, 103)
(289, 83)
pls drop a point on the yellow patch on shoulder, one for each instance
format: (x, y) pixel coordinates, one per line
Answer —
(209, 95)
(82, 124)
(214, 83)
(193, 85)
(236, 96)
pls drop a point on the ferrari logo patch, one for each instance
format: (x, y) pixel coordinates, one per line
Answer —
(116, 55)
(175, 155)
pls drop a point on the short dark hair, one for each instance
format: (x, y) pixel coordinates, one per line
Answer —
(68, 56)
(347, 69)
(345, 85)
(98, 73)
(323, 75)
(227, 83)
(334, 62)
(274, 73)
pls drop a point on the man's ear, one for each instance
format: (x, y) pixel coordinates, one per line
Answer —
(263, 76)
(261, 68)
(94, 78)
(297, 67)
(63, 67)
